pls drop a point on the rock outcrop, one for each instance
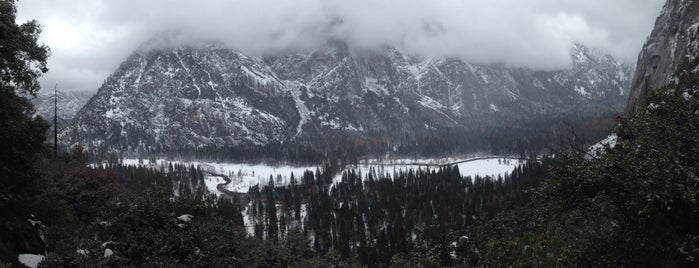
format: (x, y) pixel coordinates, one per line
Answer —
(671, 50)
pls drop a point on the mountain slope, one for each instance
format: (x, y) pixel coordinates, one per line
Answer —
(191, 97)
(69, 103)
(187, 98)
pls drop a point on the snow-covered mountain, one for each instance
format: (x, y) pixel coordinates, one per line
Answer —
(69, 103)
(190, 97)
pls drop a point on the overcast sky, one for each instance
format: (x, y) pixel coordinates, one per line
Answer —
(89, 39)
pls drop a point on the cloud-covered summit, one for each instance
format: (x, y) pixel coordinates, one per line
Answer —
(90, 38)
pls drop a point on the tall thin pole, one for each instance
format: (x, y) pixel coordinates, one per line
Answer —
(55, 120)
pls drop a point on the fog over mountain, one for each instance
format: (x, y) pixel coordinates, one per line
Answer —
(349, 133)
(208, 96)
(89, 39)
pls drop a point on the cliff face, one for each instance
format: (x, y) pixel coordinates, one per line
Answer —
(671, 50)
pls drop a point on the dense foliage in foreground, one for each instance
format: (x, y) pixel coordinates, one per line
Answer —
(96, 217)
(136, 216)
(631, 206)
(636, 205)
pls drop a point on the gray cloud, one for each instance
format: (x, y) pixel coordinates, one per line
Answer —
(90, 38)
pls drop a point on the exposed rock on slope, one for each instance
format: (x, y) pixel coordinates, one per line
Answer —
(69, 103)
(671, 50)
(180, 98)
(187, 98)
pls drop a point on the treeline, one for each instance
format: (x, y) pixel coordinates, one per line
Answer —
(523, 138)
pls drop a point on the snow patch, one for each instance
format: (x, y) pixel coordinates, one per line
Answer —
(598, 148)
(489, 167)
(194, 81)
(302, 109)
(333, 123)
(185, 218)
(30, 260)
(242, 175)
(259, 79)
(434, 105)
(373, 85)
(212, 183)
(34, 222)
(108, 253)
(468, 167)
(581, 90)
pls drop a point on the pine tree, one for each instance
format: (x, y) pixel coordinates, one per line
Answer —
(272, 226)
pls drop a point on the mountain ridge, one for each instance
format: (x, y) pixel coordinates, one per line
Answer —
(190, 97)
(69, 103)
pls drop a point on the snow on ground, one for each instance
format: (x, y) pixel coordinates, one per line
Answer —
(242, 175)
(483, 167)
(581, 90)
(211, 183)
(599, 148)
(423, 160)
(248, 221)
(488, 167)
(30, 260)
(185, 218)
(108, 253)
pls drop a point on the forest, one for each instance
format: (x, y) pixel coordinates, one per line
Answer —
(136, 212)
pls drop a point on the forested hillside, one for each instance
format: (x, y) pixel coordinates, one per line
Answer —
(635, 205)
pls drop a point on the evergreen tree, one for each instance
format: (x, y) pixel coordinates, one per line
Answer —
(24, 60)
(21, 135)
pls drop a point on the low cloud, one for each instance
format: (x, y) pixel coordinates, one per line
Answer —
(90, 38)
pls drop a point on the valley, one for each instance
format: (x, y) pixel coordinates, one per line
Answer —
(349, 134)
(243, 176)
